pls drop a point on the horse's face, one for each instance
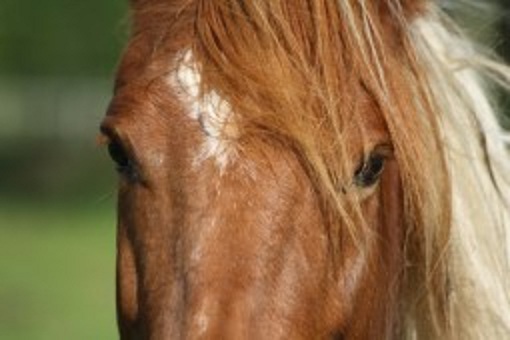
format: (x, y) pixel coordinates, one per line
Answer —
(231, 241)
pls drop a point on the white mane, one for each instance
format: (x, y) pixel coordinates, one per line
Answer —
(480, 171)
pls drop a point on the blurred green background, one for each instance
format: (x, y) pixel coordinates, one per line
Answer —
(57, 187)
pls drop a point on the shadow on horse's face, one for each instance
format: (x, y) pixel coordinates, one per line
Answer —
(237, 248)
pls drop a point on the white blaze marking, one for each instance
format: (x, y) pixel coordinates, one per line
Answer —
(202, 321)
(213, 112)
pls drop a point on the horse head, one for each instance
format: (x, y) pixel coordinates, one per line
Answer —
(281, 171)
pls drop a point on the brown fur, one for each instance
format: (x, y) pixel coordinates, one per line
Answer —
(287, 246)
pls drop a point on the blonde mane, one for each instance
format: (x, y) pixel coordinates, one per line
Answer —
(303, 66)
(479, 168)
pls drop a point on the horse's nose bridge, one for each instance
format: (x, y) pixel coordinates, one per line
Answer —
(242, 247)
(225, 283)
(220, 315)
(215, 276)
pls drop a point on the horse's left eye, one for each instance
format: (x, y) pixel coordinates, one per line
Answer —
(123, 162)
(369, 172)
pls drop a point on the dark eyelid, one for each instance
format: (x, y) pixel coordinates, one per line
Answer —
(112, 135)
(109, 132)
(383, 149)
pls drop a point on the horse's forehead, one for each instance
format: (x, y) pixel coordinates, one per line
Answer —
(174, 68)
(219, 123)
(213, 113)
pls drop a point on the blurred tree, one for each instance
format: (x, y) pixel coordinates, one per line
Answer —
(69, 37)
(60, 37)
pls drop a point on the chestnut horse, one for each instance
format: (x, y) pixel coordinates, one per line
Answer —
(305, 169)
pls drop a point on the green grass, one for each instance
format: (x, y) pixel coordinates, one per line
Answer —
(57, 270)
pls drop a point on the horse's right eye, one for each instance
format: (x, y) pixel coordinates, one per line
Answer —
(369, 172)
(371, 168)
(124, 164)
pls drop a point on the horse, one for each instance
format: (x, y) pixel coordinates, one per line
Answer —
(308, 169)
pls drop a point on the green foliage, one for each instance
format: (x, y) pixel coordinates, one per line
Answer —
(61, 37)
(57, 223)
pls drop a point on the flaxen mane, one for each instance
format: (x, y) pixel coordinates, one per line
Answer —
(308, 68)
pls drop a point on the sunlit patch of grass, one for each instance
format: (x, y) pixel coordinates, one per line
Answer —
(57, 270)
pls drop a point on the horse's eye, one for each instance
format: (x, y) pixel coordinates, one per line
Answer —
(369, 172)
(123, 163)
